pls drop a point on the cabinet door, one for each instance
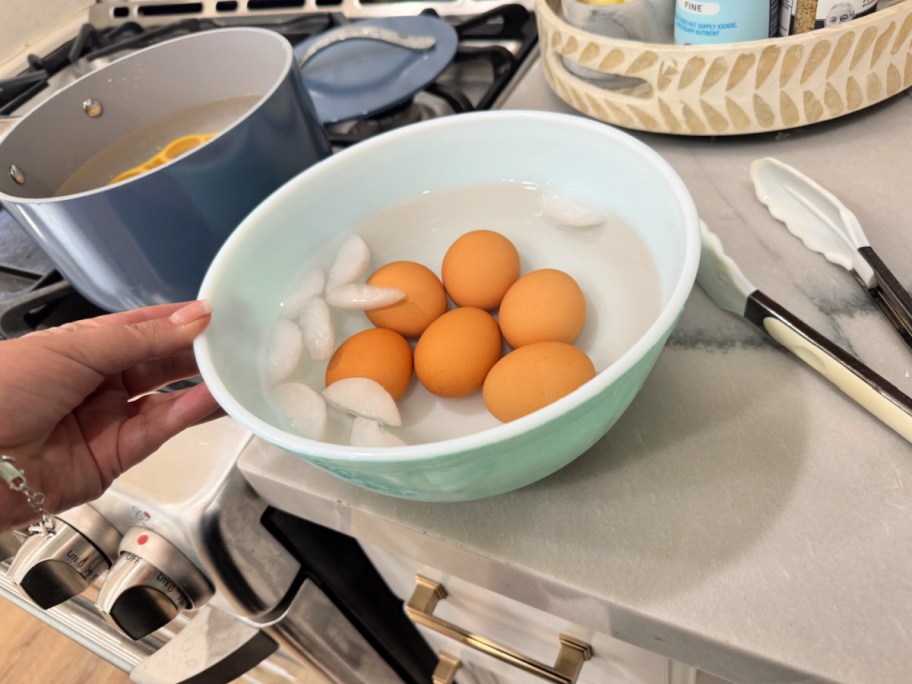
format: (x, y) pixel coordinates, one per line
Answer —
(528, 631)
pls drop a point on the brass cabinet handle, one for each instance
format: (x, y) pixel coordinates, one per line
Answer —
(445, 672)
(573, 652)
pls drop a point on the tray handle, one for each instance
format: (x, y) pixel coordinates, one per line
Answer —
(636, 88)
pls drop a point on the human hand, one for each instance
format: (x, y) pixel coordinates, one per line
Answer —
(69, 412)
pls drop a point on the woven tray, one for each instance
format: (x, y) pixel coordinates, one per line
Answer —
(735, 88)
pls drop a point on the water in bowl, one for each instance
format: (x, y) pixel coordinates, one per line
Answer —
(140, 145)
(609, 261)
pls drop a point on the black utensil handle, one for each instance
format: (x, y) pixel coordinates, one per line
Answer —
(886, 306)
(890, 295)
(856, 380)
(888, 309)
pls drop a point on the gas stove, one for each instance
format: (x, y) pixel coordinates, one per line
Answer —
(495, 41)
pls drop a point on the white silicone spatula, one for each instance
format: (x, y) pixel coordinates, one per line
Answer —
(825, 225)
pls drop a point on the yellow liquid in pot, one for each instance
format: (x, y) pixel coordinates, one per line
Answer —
(139, 146)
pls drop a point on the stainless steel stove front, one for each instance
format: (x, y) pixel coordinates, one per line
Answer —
(200, 589)
(214, 647)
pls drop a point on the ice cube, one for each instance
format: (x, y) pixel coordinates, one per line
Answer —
(305, 288)
(317, 326)
(286, 345)
(565, 209)
(370, 433)
(363, 397)
(304, 407)
(363, 297)
(350, 263)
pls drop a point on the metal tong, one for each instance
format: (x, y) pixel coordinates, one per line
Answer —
(826, 226)
(723, 281)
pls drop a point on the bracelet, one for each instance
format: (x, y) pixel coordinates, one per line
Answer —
(16, 481)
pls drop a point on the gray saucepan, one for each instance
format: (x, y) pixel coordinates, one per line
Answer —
(149, 238)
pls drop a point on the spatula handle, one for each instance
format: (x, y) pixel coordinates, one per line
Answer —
(890, 295)
(871, 391)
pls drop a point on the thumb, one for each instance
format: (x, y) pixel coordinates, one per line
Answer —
(110, 349)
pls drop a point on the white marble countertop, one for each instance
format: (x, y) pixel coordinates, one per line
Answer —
(743, 516)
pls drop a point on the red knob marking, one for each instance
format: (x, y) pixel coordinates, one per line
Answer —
(142, 539)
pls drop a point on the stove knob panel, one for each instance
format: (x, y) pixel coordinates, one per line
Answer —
(10, 541)
(54, 568)
(150, 584)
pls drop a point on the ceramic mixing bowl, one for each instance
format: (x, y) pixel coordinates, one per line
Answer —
(456, 450)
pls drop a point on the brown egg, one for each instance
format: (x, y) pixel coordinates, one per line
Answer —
(377, 353)
(455, 353)
(479, 268)
(543, 306)
(534, 376)
(425, 299)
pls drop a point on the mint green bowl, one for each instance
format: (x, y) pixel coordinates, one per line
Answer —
(456, 451)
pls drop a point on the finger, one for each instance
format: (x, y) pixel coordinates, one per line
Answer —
(111, 349)
(152, 375)
(215, 415)
(161, 417)
(148, 402)
(146, 313)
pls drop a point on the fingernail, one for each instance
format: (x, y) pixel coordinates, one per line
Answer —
(192, 312)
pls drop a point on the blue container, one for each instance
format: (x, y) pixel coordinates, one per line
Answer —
(724, 21)
(149, 239)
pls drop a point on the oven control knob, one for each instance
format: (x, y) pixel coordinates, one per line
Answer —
(53, 568)
(150, 584)
(10, 541)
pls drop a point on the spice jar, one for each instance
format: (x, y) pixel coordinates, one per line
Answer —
(800, 16)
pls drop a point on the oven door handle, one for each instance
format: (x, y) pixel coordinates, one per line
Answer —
(214, 648)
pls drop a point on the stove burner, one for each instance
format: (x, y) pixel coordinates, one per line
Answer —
(51, 301)
(32, 294)
(409, 112)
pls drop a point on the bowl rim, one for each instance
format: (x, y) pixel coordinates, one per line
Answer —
(662, 324)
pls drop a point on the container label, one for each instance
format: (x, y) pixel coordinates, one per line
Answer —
(799, 16)
(706, 9)
(699, 22)
(832, 12)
